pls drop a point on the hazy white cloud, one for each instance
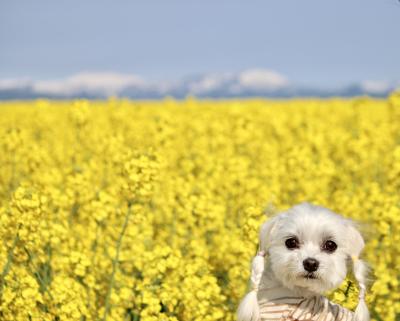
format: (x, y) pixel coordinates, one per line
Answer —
(108, 83)
(209, 83)
(262, 79)
(14, 83)
(253, 79)
(376, 87)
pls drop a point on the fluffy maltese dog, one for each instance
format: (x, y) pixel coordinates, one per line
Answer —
(303, 253)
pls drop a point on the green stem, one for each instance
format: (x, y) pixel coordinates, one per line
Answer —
(7, 266)
(35, 271)
(115, 263)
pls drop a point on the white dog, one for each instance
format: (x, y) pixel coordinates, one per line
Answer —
(308, 249)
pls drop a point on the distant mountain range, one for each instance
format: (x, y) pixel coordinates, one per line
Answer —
(248, 83)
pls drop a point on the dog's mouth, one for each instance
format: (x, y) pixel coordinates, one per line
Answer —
(310, 276)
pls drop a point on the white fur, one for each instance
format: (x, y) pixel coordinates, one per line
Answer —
(312, 225)
(248, 309)
(360, 272)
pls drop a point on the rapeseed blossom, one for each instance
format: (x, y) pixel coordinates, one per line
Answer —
(150, 210)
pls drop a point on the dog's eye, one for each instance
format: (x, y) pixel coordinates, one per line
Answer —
(329, 246)
(292, 243)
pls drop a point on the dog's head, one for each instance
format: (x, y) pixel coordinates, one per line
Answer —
(309, 247)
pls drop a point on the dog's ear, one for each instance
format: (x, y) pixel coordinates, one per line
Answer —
(355, 244)
(355, 241)
(248, 309)
(266, 231)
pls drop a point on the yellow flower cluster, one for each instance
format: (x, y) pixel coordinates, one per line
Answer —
(150, 210)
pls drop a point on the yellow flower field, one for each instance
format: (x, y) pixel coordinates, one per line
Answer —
(149, 210)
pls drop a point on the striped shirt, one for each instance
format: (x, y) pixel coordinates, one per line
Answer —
(277, 304)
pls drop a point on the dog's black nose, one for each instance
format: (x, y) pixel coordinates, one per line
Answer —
(310, 264)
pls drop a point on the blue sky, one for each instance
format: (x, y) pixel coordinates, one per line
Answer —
(315, 42)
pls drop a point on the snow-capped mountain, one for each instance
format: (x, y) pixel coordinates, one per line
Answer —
(248, 83)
